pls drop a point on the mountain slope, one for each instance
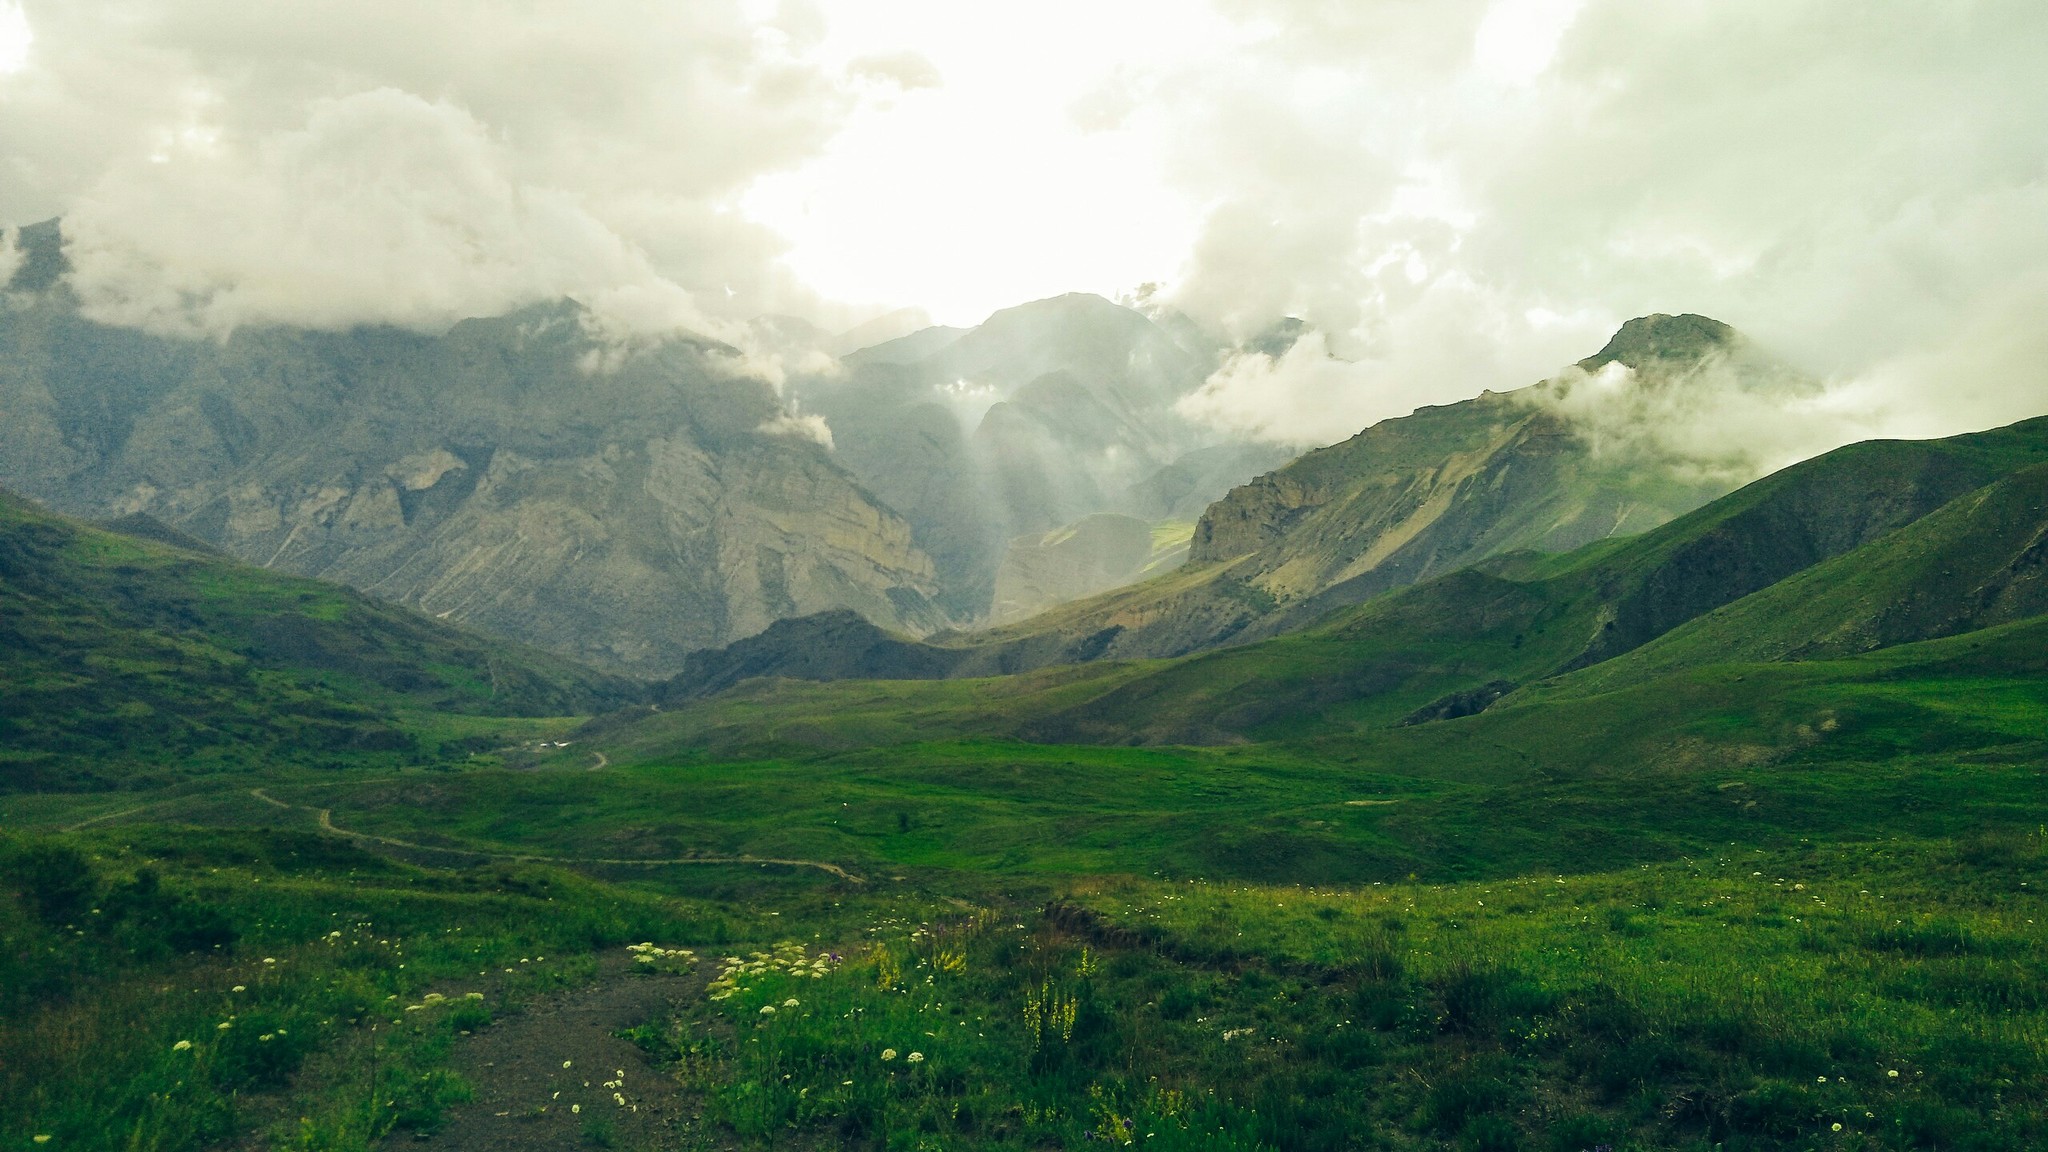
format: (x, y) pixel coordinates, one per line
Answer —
(1418, 496)
(125, 658)
(1404, 501)
(1978, 562)
(1528, 617)
(624, 505)
(1453, 645)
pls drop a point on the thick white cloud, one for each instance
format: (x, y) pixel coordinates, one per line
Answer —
(1457, 195)
(382, 209)
(327, 163)
(1861, 186)
(10, 254)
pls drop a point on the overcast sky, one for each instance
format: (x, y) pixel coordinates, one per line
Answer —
(1456, 194)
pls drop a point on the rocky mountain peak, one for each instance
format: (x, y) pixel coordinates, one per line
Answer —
(1663, 340)
(43, 261)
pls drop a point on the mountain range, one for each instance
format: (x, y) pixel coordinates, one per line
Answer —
(1477, 782)
(621, 503)
(1405, 500)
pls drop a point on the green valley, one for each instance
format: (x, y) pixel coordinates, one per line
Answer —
(1725, 835)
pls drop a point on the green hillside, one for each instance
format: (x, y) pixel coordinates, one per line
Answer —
(1978, 562)
(1718, 907)
(1451, 645)
(1724, 836)
(125, 660)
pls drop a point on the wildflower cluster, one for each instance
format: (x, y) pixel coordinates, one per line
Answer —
(650, 957)
(436, 1000)
(1049, 1012)
(944, 947)
(788, 959)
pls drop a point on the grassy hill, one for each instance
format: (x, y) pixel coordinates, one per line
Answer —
(1719, 907)
(1725, 836)
(1978, 562)
(1452, 645)
(126, 660)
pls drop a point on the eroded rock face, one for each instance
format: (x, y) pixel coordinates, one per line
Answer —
(624, 511)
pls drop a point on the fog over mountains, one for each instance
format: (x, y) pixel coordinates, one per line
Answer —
(623, 512)
(627, 503)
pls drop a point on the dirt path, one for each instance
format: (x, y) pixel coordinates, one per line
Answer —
(327, 824)
(552, 1077)
(105, 816)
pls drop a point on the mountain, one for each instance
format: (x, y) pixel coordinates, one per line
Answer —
(623, 505)
(1978, 562)
(1402, 502)
(1415, 497)
(1091, 555)
(124, 659)
(1041, 416)
(838, 645)
(1453, 645)
(1878, 525)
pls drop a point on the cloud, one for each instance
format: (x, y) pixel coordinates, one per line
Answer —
(10, 254)
(1722, 419)
(1456, 195)
(1453, 338)
(382, 209)
(905, 70)
(330, 163)
(1860, 186)
(15, 38)
(802, 427)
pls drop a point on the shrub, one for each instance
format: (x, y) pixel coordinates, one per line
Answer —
(56, 881)
(1488, 1001)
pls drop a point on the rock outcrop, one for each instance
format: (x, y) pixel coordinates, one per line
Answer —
(1402, 502)
(621, 506)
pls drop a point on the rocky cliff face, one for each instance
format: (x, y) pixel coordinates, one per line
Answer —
(514, 473)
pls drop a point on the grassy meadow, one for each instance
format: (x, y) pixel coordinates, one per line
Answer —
(179, 988)
(271, 853)
(1717, 910)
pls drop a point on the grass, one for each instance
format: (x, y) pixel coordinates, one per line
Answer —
(1746, 1000)
(126, 663)
(1654, 917)
(271, 850)
(173, 988)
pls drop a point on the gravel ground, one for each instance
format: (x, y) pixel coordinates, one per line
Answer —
(553, 1075)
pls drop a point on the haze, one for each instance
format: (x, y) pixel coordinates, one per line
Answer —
(1454, 196)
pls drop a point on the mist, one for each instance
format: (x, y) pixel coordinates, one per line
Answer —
(1470, 196)
(1451, 197)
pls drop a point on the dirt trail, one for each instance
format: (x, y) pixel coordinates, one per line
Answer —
(326, 818)
(105, 816)
(551, 1077)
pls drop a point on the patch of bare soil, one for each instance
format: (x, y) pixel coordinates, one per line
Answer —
(555, 1076)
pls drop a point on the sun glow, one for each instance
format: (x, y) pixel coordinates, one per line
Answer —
(1028, 116)
(15, 38)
